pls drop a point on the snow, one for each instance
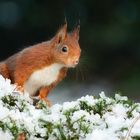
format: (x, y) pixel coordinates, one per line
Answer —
(5, 136)
(98, 134)
(87, 118)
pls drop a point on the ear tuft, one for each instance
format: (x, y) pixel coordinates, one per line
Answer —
(62, 33)
(75, 32)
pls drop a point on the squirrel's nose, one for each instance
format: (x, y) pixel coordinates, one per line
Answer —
(76, 61)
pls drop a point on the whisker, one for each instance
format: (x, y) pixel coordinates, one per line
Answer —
(76, 73)
(82, 70)
(84, 67)
(79, 74)
(82, 74)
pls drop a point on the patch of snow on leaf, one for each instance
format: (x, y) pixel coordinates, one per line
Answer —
(101, 135)
(5, 136)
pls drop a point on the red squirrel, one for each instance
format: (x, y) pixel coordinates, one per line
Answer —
(39, 68)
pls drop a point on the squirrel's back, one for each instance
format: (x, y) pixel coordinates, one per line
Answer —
(7, 67)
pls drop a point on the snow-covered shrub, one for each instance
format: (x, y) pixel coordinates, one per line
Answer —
(88, 118)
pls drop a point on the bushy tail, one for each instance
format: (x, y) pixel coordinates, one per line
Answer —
(4, 70)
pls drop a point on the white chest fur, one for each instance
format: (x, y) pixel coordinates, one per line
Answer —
(43, 77)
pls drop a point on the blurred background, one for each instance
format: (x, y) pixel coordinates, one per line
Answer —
(109, 38)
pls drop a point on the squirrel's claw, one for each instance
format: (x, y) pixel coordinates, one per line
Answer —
(48, 102)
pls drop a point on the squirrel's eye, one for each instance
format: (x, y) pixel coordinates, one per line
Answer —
(65, 49)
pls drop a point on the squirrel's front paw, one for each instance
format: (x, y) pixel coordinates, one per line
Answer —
(19, 88)
(39, 104)
(48, 102)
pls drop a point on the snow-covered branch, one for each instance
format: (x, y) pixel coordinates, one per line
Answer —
(87, 118)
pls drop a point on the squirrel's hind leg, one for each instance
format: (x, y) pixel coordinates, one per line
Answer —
(4, 70)
(43, 93)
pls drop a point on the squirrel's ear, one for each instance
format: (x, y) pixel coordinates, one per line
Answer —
(62, 33)
(75, 32)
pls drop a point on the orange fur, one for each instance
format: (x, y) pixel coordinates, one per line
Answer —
(20, 66)
(4, 70)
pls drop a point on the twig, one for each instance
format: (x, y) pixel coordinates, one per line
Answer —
(131, 127)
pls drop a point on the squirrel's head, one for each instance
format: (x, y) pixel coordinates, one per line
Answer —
(66, 47)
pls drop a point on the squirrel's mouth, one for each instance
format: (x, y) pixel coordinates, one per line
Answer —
(71, 65)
